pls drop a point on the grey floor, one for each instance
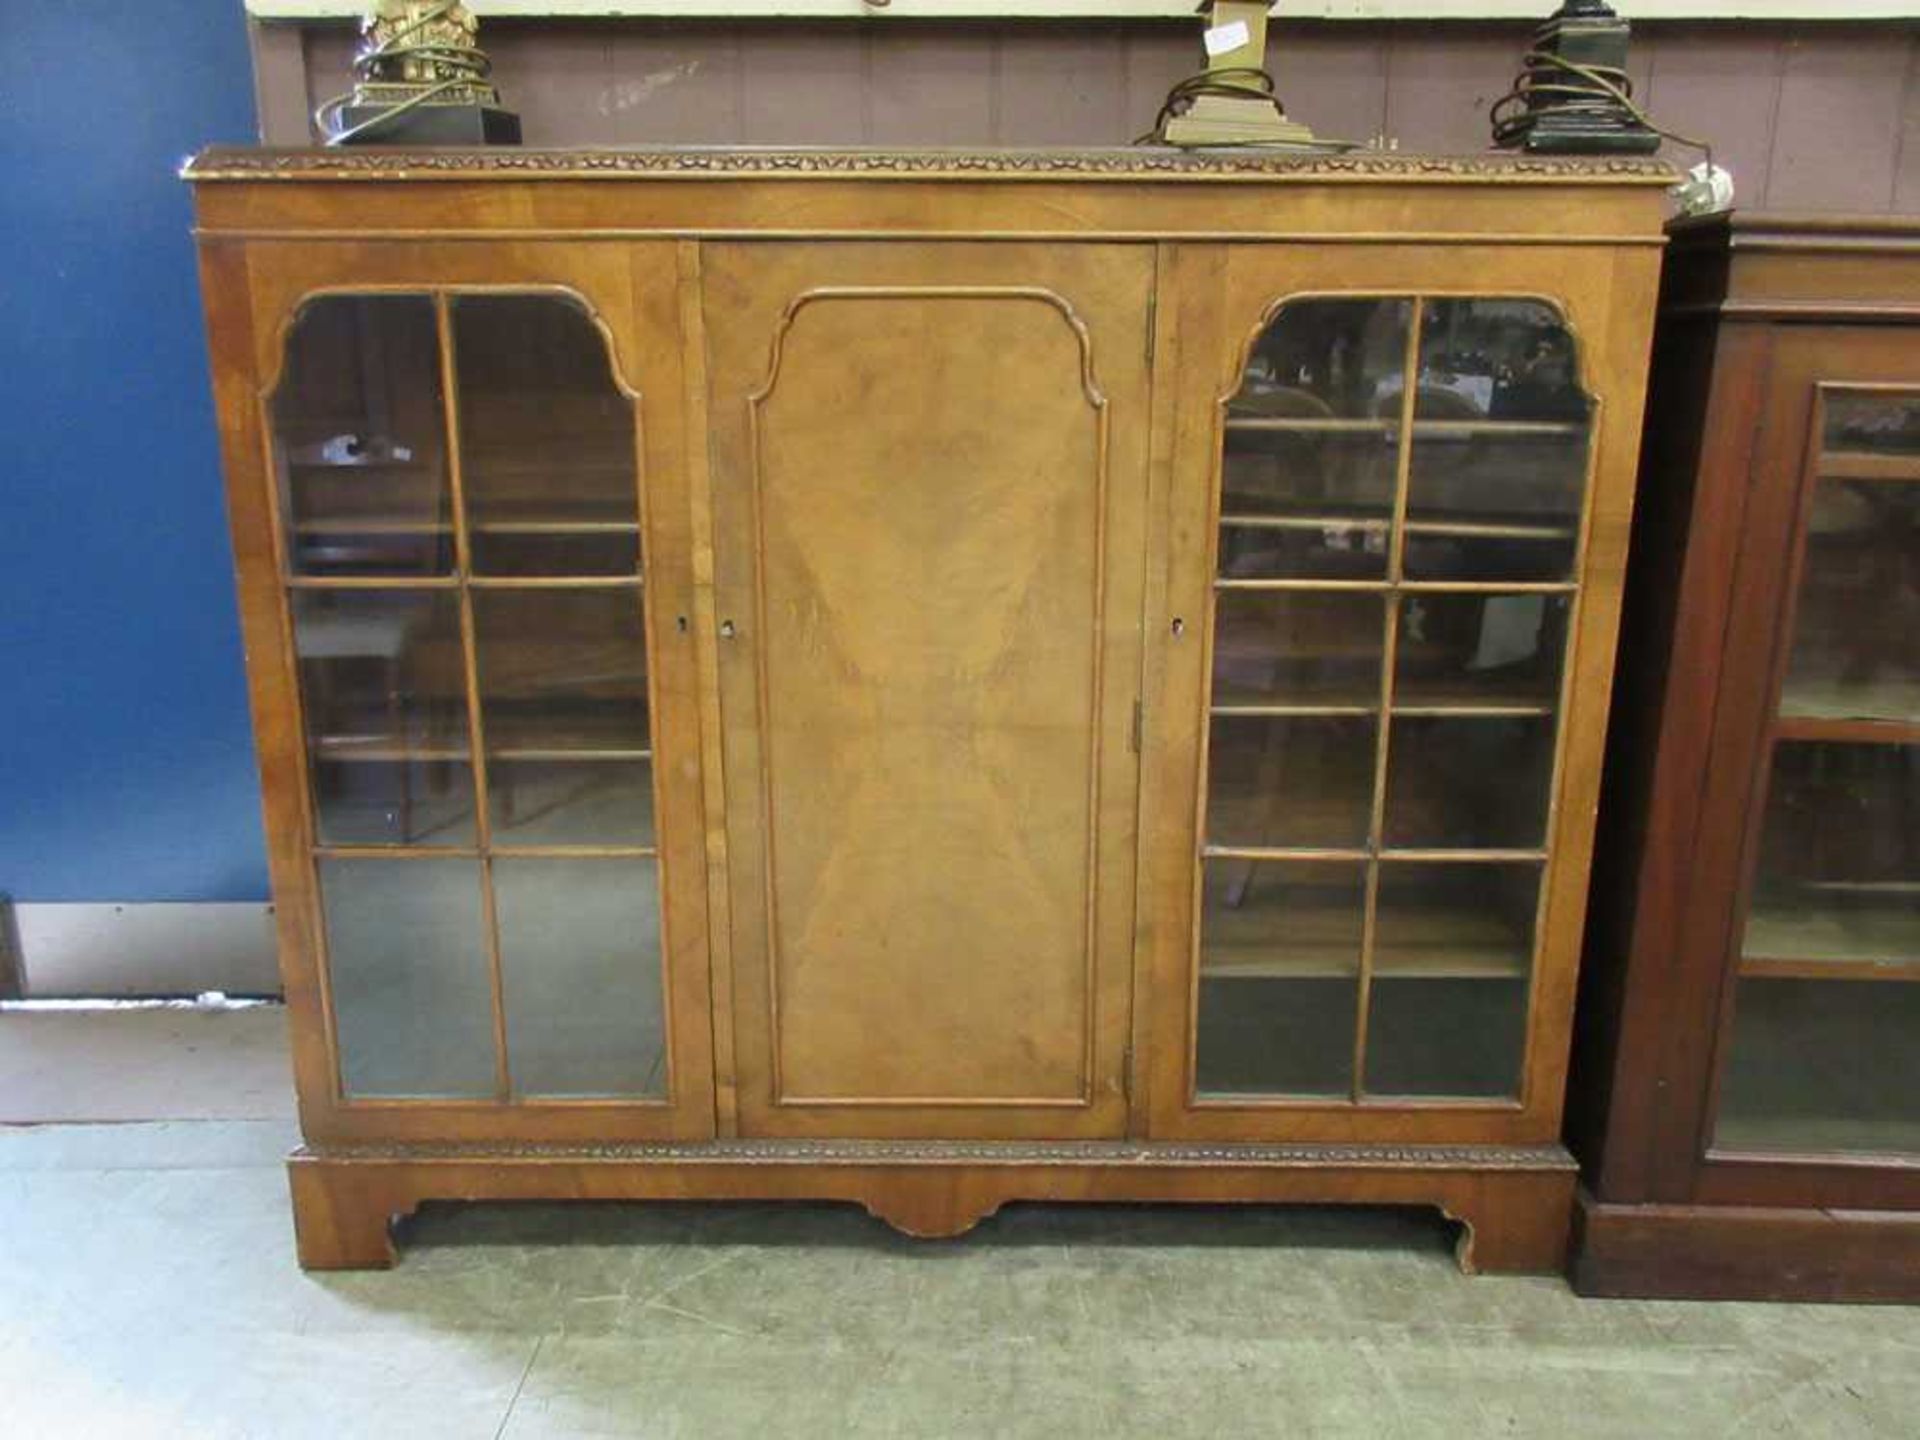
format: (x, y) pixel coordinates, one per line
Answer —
(147, 1287)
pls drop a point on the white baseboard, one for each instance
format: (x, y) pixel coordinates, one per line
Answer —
(145, 949)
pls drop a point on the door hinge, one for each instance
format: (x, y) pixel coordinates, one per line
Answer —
(1139, 725)
(1153, 321)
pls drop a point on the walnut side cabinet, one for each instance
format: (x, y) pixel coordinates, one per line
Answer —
(930, 679)
(1747, 1097)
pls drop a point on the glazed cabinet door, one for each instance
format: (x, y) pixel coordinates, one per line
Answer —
(1809, 979)
(461, 514)
(1400, 487)
(929, 479)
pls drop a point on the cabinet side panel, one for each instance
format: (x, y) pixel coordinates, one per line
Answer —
(1699, 433)
(226, 288)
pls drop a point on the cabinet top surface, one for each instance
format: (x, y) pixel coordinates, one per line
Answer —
(1136, 163)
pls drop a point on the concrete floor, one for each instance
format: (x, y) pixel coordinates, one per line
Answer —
(147, 1287)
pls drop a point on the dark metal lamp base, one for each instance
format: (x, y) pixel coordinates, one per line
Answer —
(430, 125)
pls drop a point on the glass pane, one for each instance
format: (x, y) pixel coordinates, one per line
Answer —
(1871, 432)
(547, 440)
(1312, 444)
(1456, 921)
(1856, 639)
(1822, 1056)
(359, 439)
(1480, 652)
(1492, 359)
(1290, 781)
(573, 801)
(1279, 967)
(1306, 504)
(580, 965)
(383, 684)
(563, 683)
(1327, 359)
(1838, 882)
(1453, 950)
(1468, 784)
(1500, 444)
(1446, 1036)
(407, 966)
(1297, 649)
(1821, 1066)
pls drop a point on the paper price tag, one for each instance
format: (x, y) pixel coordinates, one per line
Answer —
(1222, 38)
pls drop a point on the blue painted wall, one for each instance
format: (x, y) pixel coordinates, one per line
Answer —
(125, 764)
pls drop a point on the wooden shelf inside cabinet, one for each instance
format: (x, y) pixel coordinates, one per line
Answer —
(531, 525)
(1446, 527)
(1869, 465)
(1884, 713)
(573, 740)
(1866, 932)
(1494, 698)
(1331, 425)
(379, 749)
(1453, 699)
(1322, 942)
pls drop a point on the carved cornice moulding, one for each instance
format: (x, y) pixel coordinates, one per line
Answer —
(1129, 163)
(965, 1152)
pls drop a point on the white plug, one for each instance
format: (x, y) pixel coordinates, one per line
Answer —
(1706, 189)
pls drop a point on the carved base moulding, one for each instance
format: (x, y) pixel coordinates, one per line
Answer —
(1513, 1204)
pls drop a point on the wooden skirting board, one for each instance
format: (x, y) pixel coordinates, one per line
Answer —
(1728, 1252)
(1513, 1204)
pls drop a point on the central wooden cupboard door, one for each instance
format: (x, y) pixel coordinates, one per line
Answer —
(929, 486)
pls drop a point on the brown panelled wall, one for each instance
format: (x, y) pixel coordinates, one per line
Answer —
(1817, 117)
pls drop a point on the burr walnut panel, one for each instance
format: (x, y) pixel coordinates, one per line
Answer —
(936, 584)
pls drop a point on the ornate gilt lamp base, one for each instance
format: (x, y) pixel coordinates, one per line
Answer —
(421, 79)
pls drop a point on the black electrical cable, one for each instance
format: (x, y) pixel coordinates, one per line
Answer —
(1239, 82)
(1552, 85)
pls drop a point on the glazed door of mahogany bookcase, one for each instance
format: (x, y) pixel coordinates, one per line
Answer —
(929, 483)
(1376, 698)
(458, 485)
(1804, 941)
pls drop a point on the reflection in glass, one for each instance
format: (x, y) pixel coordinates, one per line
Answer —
(546, 440)
(1444, 1036)
(1308, 559)
(1279, 968)
(1497, 359)
(1309, 504)
(1296, 648)
(1822, 1066)
(1455, 920)
(1838, 881)
(1480, 651)
(1290, 780)
(408, 976)
(382, 683)
(1468, 784)
(571, 801)
(1881, 426)
(1856, 629)
(1327, 359)
(1500, 444)
(359, 439)
(1482, 505)
(1822, 1056)
(580, 963)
